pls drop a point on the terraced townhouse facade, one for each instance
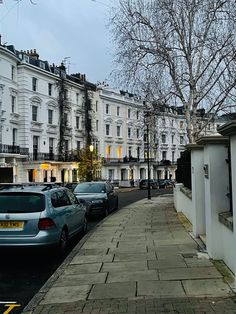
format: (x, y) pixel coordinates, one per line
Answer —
(42, 128)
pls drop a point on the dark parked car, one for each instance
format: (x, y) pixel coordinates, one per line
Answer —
(99, 197)
(143, 184)
(37, 215)
(71, 186)
(162, 183)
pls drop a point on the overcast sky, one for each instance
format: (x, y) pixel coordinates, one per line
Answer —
(59, 29)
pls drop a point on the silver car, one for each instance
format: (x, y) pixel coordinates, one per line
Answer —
(39, 215)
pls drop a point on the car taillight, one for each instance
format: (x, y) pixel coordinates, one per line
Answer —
(46, 223)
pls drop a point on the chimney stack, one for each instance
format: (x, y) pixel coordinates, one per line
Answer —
(33, 54)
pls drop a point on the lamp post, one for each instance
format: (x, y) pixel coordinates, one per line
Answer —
(91, 148)
(147, 115)
(148, 160)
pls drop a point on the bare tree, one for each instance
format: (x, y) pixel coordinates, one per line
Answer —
(179, 52)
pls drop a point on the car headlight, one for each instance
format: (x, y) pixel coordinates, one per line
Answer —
(97, 201)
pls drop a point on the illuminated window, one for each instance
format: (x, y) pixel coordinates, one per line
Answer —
(118, 152)
(108, 151)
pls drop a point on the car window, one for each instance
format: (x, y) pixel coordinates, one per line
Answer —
(59, 199)
(17, 202)
(90, 188)
(72, 197)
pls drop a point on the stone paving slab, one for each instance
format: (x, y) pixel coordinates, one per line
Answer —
(113, 290)
(83, 269)
(166, 263)
(124, 266)
(160, 289)
(189, 273)
(162, 242)
(132, 276)
(134, 256)
(66, 294)
(83, 279)
(198, 262)
(99, 244)
(128, 250)
(101, 251)
(139, 245)
(207, 288)
(86, 259)
(167, 249)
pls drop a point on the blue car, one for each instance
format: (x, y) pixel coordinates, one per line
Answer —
(39, 215)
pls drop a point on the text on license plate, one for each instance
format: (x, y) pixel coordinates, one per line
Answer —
(11, 224)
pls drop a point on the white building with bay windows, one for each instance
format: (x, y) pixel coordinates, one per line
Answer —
(30, 119)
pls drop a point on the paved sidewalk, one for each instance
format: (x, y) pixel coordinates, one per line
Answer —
(139, 260)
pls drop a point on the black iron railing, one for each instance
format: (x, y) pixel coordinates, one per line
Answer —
(136, 160)
(52, 157)
(13, 149)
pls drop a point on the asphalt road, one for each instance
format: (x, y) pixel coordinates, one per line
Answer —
(23, 272)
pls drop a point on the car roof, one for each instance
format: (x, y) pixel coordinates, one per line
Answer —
(28, 187)
(94, 182)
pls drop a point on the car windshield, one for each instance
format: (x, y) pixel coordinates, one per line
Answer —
(90, 188)
(21, 202)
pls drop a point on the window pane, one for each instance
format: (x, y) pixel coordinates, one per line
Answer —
(16, 202)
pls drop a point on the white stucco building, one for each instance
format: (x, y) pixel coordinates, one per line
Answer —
(45, 113)
(31, 119)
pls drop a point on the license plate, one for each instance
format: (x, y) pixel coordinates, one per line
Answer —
(11, 224)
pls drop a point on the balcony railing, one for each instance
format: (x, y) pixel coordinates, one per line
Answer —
(13, 149)
(126, 160)
(38, 156)
(107, 161)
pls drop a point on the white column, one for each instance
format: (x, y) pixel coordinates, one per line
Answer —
(198, 190)
(216, 185)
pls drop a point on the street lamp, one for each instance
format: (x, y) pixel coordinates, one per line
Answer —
(147, 118)
(91, 148)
